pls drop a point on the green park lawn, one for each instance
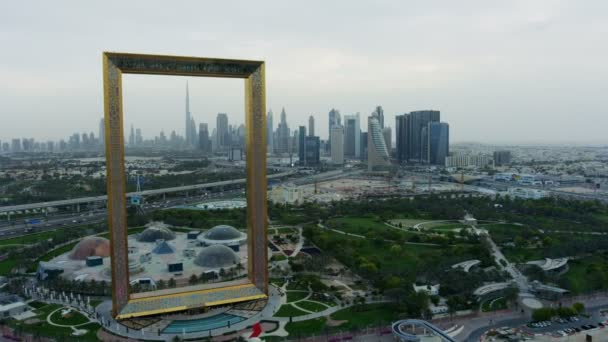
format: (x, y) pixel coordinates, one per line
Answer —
(312, 306)
(356, 317)
(367, 226)
(288, 310)
(293, 296)
(586, 274)
(73, 318)
(494, 304)
(28, 239)
(42, 328)
(306, 328)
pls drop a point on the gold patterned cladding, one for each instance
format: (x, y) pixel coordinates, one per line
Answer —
(116, 64)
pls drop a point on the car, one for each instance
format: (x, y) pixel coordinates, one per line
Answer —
(601, 325)
(591, 326)
(577, 329)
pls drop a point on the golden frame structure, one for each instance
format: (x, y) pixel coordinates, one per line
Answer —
(253, 72)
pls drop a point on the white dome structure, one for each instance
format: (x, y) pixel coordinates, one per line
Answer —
(223, 235)
(217, 256)
(156, 232)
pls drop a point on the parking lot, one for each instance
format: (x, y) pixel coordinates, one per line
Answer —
(565, 327)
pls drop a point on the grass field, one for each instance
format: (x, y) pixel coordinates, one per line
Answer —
(367, 226)
(586, 274)
(288, 310)
(362, 316)
(356, 317)
(73, 318)
(28, 239)
(42, 328)
(6, 266)
(494, 304)
(312, 306)
(293, 296)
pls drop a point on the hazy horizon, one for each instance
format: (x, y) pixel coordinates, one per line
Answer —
(500, 73)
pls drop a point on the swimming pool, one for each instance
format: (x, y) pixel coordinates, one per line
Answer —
(203, 324)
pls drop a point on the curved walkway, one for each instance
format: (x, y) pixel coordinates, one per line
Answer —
(76, 332)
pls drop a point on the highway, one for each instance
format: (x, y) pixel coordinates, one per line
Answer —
(73, 201)
(52, 222)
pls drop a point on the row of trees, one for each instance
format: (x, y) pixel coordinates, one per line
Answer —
(546, 314)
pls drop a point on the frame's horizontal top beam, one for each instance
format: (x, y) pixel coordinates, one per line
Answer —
(182, 66)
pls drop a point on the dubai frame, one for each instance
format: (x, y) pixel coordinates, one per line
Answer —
(126, 305)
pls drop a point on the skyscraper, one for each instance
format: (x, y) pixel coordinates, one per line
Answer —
(283, 135)
(337, 145)
(363, 150)
(222, 132)
(311, 126)
(334, 121)
(502, 157)
(102, 132)
(131, 137)
(377, 154)
(402, 135)
(437, 144)
(302, 144)
(139, 139)
(352, 136)
(387, 133)
(380, 115)
(419, 120)
(193, 137)
(187, 127)
(204, 144)
(312, 147)
(269, 131)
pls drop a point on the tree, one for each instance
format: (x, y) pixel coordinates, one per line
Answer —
(579, 307)
(543, 314)
(172, 283)
(193, 279)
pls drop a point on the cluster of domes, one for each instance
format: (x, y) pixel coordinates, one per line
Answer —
(216, 256)
(156, 232)
(90, 246)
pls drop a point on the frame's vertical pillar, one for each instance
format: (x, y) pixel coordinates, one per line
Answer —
(255, 109)
(115, 173)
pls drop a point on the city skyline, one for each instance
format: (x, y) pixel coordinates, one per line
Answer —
(518, 65)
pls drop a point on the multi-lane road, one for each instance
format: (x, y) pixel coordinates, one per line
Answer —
(57, 221)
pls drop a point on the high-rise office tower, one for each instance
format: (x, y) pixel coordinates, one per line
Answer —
(102, 132)
(337, 145)
(334, 118)
(419, 120)
(388, 133)
(222, 132)
(187, 127)
(131, 137)
(139, 139)
(283, 135)
(312, 147)
(436, 142)
(363, 150)
(402, 135)
(334, 121)
(311, 126)
(302, 144)
(379, 112)
(377, 154)
(269, 131)
(193, 136)
(352, 136)
(502, 157)
(204, 144)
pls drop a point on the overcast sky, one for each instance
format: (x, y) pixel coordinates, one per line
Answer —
(499, 71)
